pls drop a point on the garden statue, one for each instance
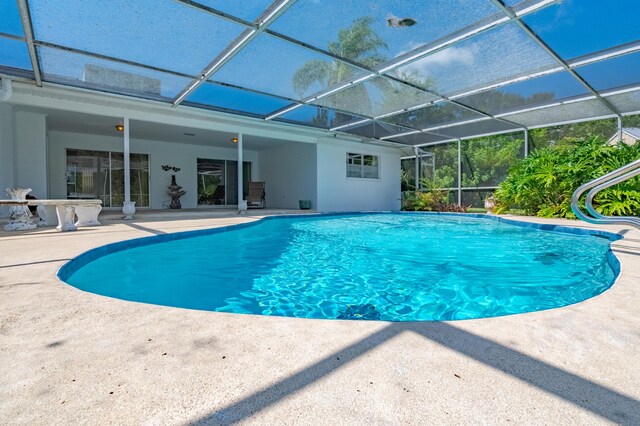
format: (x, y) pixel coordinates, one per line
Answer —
(490, 203)
(175, 192)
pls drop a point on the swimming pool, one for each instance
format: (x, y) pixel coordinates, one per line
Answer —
(387, 266)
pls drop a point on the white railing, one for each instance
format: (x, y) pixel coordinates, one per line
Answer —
(612, 178)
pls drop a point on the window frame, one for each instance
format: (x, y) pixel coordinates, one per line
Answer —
(71, 176)
(356, 166)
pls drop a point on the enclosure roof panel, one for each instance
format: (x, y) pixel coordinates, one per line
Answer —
(10, 22)
(446, 70)
(578, 27)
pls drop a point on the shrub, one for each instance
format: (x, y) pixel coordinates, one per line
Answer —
(431, 200)
(542, 184)
(434, 200)
(409, 199)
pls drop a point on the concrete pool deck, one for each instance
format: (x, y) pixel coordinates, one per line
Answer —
(71, 357)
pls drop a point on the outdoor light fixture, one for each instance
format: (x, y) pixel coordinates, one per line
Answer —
(234, 140)
(120, 127)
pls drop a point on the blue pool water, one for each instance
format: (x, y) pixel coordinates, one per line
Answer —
(396, 267)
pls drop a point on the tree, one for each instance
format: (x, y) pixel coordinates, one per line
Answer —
(358, 43)
(572, 133)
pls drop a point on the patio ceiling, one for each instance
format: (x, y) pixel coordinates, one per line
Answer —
(71, 121)
(397, 70)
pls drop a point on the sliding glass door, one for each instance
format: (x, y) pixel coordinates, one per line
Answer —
(218, 181)
(100, 174)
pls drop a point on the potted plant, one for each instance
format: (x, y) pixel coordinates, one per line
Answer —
(304, 204)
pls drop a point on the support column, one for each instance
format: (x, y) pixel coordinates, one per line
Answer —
(619, 129)
(459, 172)
(526, 143)
(242, 204)
(129, 207)
(416, 150)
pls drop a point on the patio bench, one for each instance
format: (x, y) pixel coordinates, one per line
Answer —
(53, 212)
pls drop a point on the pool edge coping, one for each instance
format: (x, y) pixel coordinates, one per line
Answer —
(71, 266)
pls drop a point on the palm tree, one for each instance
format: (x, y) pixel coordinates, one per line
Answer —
(358, 43)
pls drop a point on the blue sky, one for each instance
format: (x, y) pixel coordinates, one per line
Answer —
(169, 35)
(578, 27)
(318, 22)
(10, 18)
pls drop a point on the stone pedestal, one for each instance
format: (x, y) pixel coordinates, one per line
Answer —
(129, 208)
(19, 215)
(48, 215)
(66, 216)
(242, 206)
(87, 215)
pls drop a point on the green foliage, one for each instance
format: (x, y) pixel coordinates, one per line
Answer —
(445, 172)
(406, 181)
(433, 200)
(409, 199)
(543, 183)
(359, 43)
(577, 132)
(207, 185)
(486, 161)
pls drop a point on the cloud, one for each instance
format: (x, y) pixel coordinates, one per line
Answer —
(453, 56)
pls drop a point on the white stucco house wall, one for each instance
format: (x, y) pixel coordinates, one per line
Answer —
(42, 129)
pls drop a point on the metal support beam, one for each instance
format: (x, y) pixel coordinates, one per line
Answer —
(25, 17)
(429, 49)
(416, 151)
(603, 55)
(526, 143)
(235, 47)
(282, 111)
(459, 172)
(352, 124)
(533, 36)
(128, 207)
(242, 207)
(619, 129)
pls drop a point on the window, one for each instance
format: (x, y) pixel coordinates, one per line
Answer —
(362, 166)
(100, 174)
